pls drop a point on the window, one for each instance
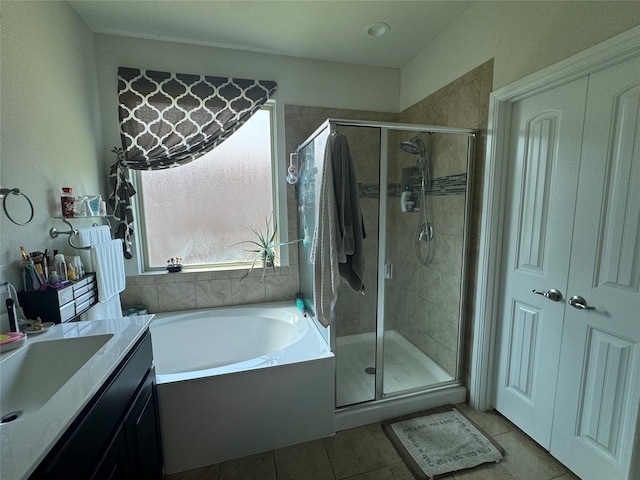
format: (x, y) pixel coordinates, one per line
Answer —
(202, 210)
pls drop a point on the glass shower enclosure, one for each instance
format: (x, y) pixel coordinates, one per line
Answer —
(403, 336)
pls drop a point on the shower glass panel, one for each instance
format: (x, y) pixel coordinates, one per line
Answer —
(353, 338)
(403, 336)
(355, 344)
(425, 221)
(310, 158)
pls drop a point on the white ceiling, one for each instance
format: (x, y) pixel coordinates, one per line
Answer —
(319, 30)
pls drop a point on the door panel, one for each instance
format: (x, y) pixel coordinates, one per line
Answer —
(540, 142)
(598, 390)
(603, 390)
(522, 349)
(544, 154)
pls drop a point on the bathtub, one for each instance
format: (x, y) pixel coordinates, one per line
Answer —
(235, 381)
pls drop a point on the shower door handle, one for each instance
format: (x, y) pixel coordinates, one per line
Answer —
(388, 271)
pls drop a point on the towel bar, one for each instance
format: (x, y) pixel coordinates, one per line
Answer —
(54, 232)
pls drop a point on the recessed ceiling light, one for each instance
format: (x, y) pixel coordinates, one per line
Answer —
(377, 29)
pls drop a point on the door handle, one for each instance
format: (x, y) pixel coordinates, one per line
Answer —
(553, 294)
(388, 271)
(580, 303)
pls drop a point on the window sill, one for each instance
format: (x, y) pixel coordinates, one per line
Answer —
(227, 271)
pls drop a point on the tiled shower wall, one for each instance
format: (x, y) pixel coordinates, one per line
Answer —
(423, 300)
(462, 103)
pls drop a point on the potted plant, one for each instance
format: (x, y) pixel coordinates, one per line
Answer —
(264, 247)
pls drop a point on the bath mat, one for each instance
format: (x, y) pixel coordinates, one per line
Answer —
(439, 442)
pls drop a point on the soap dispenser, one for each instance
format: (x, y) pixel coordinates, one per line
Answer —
(405, 197)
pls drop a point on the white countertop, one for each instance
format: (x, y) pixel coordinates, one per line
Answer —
(25, 441)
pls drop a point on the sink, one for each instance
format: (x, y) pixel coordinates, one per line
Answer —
(32, 375)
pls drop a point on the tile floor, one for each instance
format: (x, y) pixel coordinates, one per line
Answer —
(365, 453)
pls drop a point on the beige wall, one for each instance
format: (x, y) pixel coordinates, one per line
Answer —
(51, 134)
(522, 37)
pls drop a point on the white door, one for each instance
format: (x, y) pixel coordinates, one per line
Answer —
(544, 156)
(598, 392)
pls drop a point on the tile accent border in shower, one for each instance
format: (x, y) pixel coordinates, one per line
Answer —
(447, 185)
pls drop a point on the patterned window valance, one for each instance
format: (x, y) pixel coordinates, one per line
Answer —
(169, 119)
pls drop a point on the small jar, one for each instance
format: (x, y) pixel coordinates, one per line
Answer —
(68, 203)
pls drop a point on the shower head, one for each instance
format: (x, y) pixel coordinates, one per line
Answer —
(415, 146)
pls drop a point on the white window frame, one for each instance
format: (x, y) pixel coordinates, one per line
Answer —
(279, 201)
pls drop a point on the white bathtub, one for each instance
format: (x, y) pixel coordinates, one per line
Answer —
(235, 381)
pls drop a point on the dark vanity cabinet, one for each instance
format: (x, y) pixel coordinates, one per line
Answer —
(117, 436)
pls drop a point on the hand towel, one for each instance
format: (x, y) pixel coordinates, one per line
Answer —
(91, 236)
(108, 262)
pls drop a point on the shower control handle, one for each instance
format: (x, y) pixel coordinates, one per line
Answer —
(553, 294)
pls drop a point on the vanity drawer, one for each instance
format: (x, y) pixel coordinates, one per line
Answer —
(67, 312)
(78, 293)
(83, 306)
(65, 295)
(87, 295)
(83, 282)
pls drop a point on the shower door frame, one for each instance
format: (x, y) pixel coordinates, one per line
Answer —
(382, 250)
(385, 127)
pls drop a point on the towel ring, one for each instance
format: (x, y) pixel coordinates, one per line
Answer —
(14, 191)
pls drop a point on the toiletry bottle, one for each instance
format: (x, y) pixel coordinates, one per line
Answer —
(71, 272)
(68, 202)
(78, 267)
(61, 267)
(404, 198)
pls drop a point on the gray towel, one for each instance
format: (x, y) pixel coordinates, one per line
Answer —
(324, 251)
(337, 241)
(351, 231)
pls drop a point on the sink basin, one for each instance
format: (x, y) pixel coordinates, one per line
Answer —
(31, 376)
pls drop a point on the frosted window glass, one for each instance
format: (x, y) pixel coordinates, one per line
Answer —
(200, 210)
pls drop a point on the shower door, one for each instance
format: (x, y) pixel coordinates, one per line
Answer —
(402, 336)
(423, 258)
